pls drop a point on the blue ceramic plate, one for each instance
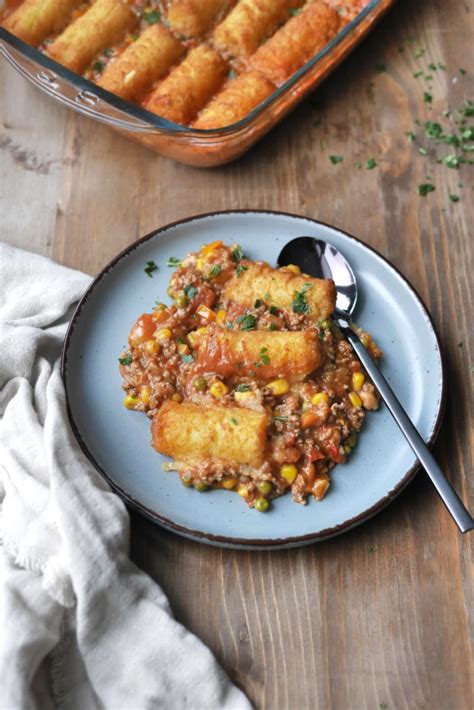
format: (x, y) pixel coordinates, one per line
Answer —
(117, 441)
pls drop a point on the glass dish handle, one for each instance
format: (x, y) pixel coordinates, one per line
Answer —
(83, 100)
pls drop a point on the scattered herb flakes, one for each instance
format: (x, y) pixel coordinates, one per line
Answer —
(452, 161)
(419, 53)
(187, 358)
(229, 325)
(215, 271)
(300, 304)
(358, 164)
(428, 77)
(247, 322)
(441, 66)
(432, 67)
(425, 188)
(335, 159)
(273, 326)
(234, 421)
(266, 296)
(380, 68)
(417, 74)
(127, 360)
(410, 135)
(279, 418)
(460, 344)
(240, 270)
(173, 262)
(98, 67)
(427, 97)
(232, 74)
(273, 310)
(370, 164)
(462, 72)
(295, 11)
(432, 129)
(190, 291)
(455, 198)
(372, 549)
(264, 358)
(152, 17)
(422, 151)
(257, 303)
(150, 268)
(242, 388)
(237, 254)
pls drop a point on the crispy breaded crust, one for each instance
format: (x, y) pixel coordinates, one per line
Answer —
(142, 63)
(189, 86)
(192, 18)
(265, 354)
(296, 42)
(232, 435)
(249, 23)
(104, 23)
(240, 96)
(34, 20)
(278, 287)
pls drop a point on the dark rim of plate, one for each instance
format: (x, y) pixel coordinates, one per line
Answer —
(236, 541)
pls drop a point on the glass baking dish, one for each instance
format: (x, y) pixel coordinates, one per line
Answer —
(203, 148)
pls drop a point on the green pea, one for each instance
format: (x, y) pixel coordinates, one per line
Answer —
(264, 487)
(262, 505)
(200, 384)
(200, 486)
(181, 300)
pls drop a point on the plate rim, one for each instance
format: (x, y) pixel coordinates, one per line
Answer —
(224, 540)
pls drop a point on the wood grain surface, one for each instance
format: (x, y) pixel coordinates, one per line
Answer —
(382, 617)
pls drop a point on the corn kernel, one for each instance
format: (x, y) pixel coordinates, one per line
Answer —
(289, 472)
(320, 398)
(243, 491)
(152, 347)
(218, 389)
(355, 400)
(145, 393)
(347, 449)
(183, 349)
(221, 315)
(200, 264)
(293, 268)
(279, 387)
(262, 505)
(176, 397)
(130, 401)
(164, 334)
(229, 483)
(206, 313)
(358, 379)
(244, 396)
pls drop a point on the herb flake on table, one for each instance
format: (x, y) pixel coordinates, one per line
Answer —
(425, 188)
(335, 159)
(455, 198)
(300, 304)
(173, 262)
(150, 268)
(370, 164)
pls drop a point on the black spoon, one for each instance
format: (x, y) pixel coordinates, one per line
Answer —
(317, 258)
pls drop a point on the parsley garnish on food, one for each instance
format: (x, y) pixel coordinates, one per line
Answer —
(173, 262)
(242, 388)
(230, 325)
(257, 303)
(295, 11)
(273, 326)
(98, 66)
(150, 268)
(247, 322)
(300, 305)
(273, 310)
(278, 418)
(187, 358)
(419, 53)
(240, 270)
(190, 291)
(215, 271)
(237, 254)
(452, 161)
(234, 421)
(335, 159)
(370, 164)
(425, 188)
(127, 360)
(152, 17)
(264, 359)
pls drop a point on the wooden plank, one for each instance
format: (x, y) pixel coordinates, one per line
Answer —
(383, 616)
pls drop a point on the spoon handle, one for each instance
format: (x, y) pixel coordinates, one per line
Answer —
(448, 495)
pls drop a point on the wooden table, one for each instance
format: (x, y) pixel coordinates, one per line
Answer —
(381, 617)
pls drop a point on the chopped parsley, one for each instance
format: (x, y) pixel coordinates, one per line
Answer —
(127, 360)
(187, 358)
(417, 74)
(462, 72)
(370, 164)
(295, 11)
(240, 270)
(335, 159)
(234, 421)
(190, 291)
(273, 310)
(273, 326)
(232, 74)
(419, 53)
(433, 130)
(215, 271)
(432, 67)
(247, 322)
(410, 135)
(279, 418)
(98, 66)
(266, 296)
(425, 188)
(454, 198)
(300, 304)
(422, 151)
(150, 268)
(264, 359)
(152, 17)
(258, 302)
(452, 161)
(427, 97)
(242, 388)
(229, 325)
(173, 262)
(237, 254)
(371, 551)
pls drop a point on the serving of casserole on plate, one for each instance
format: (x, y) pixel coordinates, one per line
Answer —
(249, 385)
(229, 67)
(277, 423)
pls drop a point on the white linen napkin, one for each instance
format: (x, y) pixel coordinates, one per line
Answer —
(81, 626)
